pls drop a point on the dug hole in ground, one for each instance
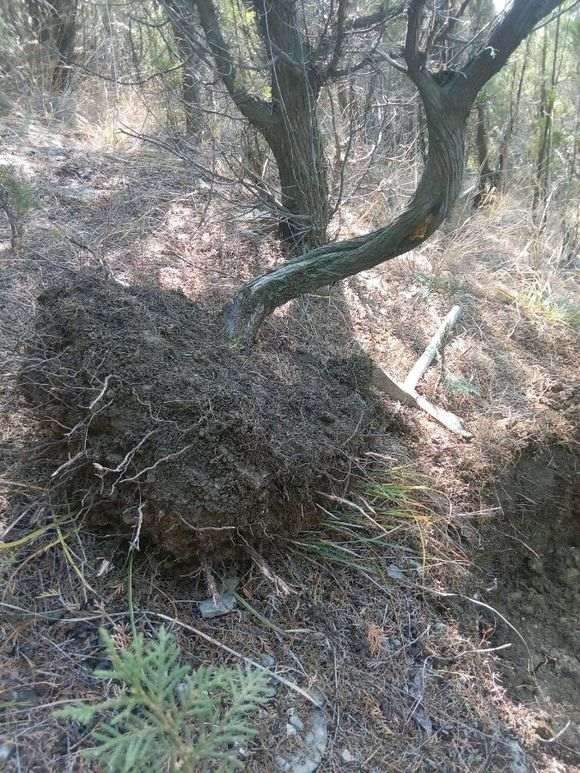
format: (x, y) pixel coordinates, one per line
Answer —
(424, 589)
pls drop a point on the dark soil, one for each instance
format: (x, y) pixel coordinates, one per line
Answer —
(155, 423)
(534, 564)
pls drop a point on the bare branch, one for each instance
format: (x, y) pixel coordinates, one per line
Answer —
(338, 39)
(382, 15)
(511, 28)
(256, 110)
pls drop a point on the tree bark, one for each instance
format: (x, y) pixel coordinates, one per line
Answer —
(437, 191)
(55, 26)
(289, 123)
(514, 109)
(65, 33)
(487, 178)
(547, 100)
(183, 24)
(294, 135)
(447, 106)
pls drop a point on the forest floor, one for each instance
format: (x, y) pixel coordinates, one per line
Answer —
(460, 652)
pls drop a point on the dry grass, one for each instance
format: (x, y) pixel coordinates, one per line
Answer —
(410, 677)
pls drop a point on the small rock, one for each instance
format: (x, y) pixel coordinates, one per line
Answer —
(223, 606)
(312, 746)
(518, 762)
(295, 721)
(6, 751)
(394, 572)
(347, 756)
(537, 566)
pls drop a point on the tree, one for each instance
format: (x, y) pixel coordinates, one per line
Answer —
(297, 71)
(515, 98)
(184, 24)
(488, 177)
(448, 97)
(546, 116)
(54, 25)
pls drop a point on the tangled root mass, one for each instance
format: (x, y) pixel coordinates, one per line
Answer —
(158, 426)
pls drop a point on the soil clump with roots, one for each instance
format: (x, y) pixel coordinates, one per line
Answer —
(152, 422)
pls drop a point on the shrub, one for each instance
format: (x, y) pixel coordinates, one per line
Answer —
(166, 716)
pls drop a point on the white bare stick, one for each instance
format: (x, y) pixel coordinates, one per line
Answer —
(446, 418)
(316, 701)
(67, 464)
(419, 368)
(390, 387)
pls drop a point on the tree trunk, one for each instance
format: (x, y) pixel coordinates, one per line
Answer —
(487, 176)
(183, 24)
(297, 148)
(547, 98)
(65, 31)
(437, 191)
(447, 106)
(514, 109)
(289, 123)
(190, 97)
(55, 26)
(294, 135)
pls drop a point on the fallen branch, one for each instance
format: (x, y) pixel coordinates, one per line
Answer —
(419, 368)
(406, 392)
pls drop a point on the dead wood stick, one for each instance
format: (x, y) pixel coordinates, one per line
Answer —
(419, 368)
(390, 387)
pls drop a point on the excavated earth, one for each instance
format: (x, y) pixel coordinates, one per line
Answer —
(151, 421)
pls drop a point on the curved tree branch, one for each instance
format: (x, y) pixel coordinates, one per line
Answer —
(257, 111)
(447, 107)
(511, 28)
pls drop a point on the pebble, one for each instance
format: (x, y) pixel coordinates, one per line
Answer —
(347, 756)
(6, 751)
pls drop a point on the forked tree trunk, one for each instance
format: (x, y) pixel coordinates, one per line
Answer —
(447, 107)
(437, 191)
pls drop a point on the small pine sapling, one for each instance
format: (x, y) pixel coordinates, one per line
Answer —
(165, 715)
(15, 199)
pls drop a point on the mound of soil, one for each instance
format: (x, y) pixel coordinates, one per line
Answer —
(157, 424)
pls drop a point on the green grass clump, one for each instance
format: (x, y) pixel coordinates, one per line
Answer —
(540, 301)
(164, 715)
(448, 285)
(360, 534)
(550, 307)
(460, 386)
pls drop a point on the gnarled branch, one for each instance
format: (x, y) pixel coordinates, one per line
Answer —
(257, 111)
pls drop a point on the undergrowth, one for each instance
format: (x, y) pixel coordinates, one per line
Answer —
(539, 301)
(391, 512)
(163, 715)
